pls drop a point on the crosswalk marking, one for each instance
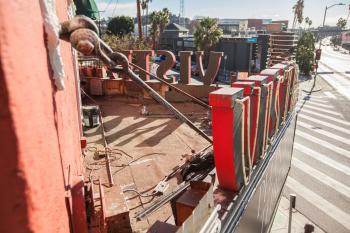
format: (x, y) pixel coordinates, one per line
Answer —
(323, 143)
(323, 178)
(325, 133)
(322, 148)
(332, 126)
(323, 110)
(330, 95)
(312, 103)
(325, 206)
(325, 116)
(341, 79)
(340, 87)
(312, 99)
(322, 158)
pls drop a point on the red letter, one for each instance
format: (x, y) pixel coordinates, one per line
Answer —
(142, 60)
(185, 67)
(213, 67)
(166, 65)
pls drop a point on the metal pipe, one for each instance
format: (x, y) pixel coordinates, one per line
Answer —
(244, 155)
(107, 49)
(165, 103)
(287, 95)
(155, 94)
(105, 143)
(267, 117)
(108, 164)
(292, 199)
(277, 104)
(200, 102)
(257, 119)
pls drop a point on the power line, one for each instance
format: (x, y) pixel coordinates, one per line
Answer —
(110, 1)
(115, 7)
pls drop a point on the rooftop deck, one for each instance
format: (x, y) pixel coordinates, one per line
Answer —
(144, 149)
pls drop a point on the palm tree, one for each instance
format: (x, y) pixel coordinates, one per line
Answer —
(306, 22)
(154, 31)
(145, 4)
(310, 23)
(159, 19)
(207, 34)
(139, 20)
(298, 9)
(341, 23)
(164, 19)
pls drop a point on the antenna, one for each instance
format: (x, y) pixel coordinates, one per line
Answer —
(182, 13)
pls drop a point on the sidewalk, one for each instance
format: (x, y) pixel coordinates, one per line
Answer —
(280, 224)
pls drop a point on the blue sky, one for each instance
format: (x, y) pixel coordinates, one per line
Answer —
(274, 9)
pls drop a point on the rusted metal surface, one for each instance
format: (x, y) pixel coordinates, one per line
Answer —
(254, 208)
(213, 67)
(88, 42)
(185, 68)
(166, 65)
(198, 101)
(159, 227)
(109, 212)
(148, 141)
(201, 207)
(189, 200)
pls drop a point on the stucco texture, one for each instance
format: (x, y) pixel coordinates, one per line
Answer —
(39, 126)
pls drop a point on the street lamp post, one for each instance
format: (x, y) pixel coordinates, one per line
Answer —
(316, 60)
(325, 14)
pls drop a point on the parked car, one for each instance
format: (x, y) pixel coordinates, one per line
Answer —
(158, 59)
(177, 65)
(194, 70)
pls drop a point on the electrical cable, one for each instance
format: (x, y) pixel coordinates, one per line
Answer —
(258, 89)
(115, 7)
(140, 194)
(243, 154)
(133, 161)
(110, 1)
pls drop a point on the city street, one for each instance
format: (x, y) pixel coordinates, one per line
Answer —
(320, 173)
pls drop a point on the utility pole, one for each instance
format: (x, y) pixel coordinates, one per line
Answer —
(319, 50)
(182, 13)
(324, 18)
(139, 20)
(147, 20)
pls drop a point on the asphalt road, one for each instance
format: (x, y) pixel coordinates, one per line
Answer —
(320, 173)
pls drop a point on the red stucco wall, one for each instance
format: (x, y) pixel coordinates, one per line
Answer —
(39, 126)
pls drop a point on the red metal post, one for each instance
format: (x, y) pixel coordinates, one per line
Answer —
(250, 121)
(284, 88)
(274, 76)
(263, 113)
(224, 136)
